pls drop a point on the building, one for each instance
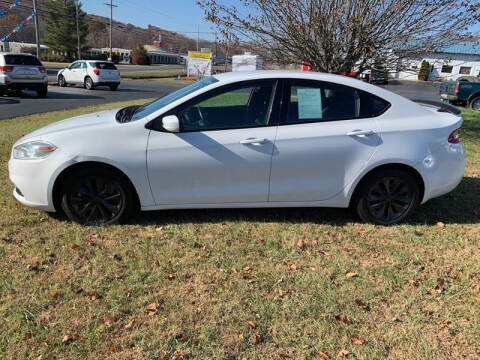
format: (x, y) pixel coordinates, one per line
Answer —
(21, 47)
(459, 60)
(159, 56)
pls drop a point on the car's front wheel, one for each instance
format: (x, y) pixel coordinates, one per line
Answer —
(97, 196)
(387, 197)
(61, 81)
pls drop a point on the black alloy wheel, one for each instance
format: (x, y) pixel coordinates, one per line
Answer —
(387, 197)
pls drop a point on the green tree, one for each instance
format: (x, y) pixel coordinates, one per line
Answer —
(61, 27)
(424, 71)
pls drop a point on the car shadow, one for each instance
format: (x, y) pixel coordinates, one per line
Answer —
(7, 101)
(56, 95)
(462, 206)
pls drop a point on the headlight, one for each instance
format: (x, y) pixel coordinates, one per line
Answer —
(33, 150)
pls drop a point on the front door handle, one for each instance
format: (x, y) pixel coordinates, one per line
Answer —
(254, 141)
(360, 133)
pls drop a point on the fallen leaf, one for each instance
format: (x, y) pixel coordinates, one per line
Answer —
(73, 245)
(257, 338)
(293, 267)
(282, 293)
(358, 340)
(159, 228)
(342, 318)
(440, 224)
(301, 244)
(169, 276)
(350, 275)
(54, 294)
(440, 285)
(130, 325)
(95, 236)
(112, 348)
(91, 243)
(152, 309)
(444, 324)
(361, 304)
(247, 268)
(67, 339)
(476, 299)
(343, 353)
(94, 297)
(108, 321)
(76, 336)
(251, 324)
(418, 233)
(413, 282)
(28, 335)
(322, 355)
(79, 291)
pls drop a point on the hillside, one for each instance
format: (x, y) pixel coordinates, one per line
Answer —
(124, 35)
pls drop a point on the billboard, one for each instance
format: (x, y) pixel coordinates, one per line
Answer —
(199, 64)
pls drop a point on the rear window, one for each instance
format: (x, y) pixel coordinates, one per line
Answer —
(22, 60)
(104, 65)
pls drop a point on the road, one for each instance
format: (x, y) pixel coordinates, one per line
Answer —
(73, 97)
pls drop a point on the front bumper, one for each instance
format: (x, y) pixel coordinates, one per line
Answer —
(32, 181)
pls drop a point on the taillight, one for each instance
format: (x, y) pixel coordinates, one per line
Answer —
(457, 88)
(5, 69)
(96, 71)
(455, 137)
(42, 69)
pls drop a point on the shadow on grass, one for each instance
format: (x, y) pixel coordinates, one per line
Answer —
(462, 206)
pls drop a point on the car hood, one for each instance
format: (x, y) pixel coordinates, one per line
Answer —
(82, 122)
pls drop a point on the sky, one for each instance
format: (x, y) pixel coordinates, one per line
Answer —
(175, 15)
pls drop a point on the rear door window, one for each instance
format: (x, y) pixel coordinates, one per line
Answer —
(22, 60)
(104, 66)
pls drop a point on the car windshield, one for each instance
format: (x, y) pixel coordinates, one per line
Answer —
(103, 65)
(22, 60)
(156, 105)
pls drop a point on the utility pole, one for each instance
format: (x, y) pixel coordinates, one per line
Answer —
(79, 54)
(37, 25)
(111, 20)
(198, 35)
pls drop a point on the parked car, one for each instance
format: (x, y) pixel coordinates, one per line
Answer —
(465, 93)
(22, 71)
(90, 74)
(375, 76)
(253, 139)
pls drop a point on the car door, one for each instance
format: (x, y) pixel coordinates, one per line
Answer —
(81, 72)
(327, 136)
(70, 73)
(222, 153)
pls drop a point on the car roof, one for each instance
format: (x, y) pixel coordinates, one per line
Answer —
(14, 53)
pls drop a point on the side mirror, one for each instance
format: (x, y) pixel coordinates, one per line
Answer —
(171, 123)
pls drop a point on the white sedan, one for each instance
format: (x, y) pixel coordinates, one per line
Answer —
(257, 139)
(90, 74)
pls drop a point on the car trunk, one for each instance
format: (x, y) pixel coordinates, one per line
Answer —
(448, 87)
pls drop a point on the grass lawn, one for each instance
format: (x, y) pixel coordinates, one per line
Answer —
(246, 284)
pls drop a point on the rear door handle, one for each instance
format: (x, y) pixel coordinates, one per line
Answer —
(361, 133)
(254, 141)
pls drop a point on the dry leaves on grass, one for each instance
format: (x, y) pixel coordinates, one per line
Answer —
(130, 325)
(343, 353)
(257, 338)
(301, 244)
(94, 297)
(476, 299)
(54, 294)
(251, 324)
(343, 318)
(361, 304)
(108, 321)
(350, 275)
(67, 339)
(169, 276)
(152, 309)
(28, 335)
(321, 355)
(73, 245)
(358, 340)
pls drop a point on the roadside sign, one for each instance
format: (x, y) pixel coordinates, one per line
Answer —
(199, 64)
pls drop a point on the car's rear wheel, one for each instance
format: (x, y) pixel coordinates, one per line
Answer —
(475, 104)
(42, 91)
(89, 85)
(61, 81)
(114, 87)
(387, 197)
(97, 196)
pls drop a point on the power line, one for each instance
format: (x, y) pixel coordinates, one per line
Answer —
(111, 6)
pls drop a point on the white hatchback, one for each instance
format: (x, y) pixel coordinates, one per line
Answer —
(90, 74)
(257, 139)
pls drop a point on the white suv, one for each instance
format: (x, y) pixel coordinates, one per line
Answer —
(90, 73)
(22, 71)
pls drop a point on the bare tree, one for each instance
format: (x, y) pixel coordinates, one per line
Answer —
(338, 35)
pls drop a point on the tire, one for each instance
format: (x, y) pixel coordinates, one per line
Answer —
(375, 204)
(42, 91)
(97, 196)
(61, 81)
(114, 87)
(88, 83)
(475, 104)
